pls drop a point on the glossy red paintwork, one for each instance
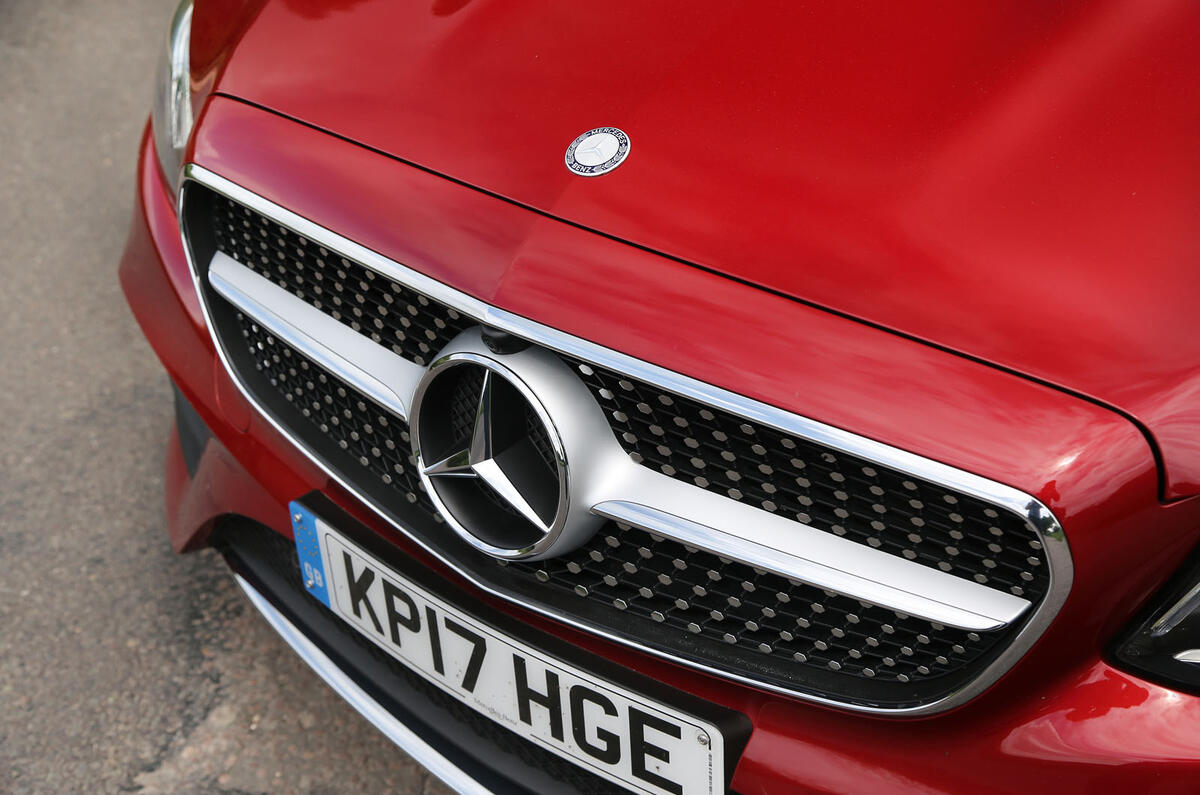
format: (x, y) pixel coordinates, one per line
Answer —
(1018, 182)
(1061, 718)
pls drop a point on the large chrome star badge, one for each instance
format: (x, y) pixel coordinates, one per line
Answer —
(492, 458)
(483, 459)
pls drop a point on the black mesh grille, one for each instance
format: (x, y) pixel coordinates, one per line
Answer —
(464, 402)
(683, 601)
(407, 322)
(828, 489)
(752, 463)
(675, 587)
(370, 435)
(677, 593)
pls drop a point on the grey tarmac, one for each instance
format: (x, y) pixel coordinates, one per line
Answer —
(123, 667)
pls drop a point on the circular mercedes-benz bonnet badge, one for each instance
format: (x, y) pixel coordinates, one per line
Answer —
(597, 151)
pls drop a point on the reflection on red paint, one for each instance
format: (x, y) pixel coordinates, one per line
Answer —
(1110, 718)
(1099, 697)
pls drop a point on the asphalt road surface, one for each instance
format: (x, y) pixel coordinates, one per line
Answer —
(123, 667)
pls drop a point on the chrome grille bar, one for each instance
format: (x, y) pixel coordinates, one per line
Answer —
(387, 378)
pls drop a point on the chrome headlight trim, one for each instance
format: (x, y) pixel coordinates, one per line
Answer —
(171, 116)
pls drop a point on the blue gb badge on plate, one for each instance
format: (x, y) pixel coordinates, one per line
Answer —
(308, 548)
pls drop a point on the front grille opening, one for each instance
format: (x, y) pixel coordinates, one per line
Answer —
(661, 583)
(625, 582)
(371, 438)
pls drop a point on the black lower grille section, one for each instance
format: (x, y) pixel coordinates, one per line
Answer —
(372, 437)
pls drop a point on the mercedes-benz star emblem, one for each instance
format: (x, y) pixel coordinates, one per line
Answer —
(597, 151)
(493, 462)
(481, 455)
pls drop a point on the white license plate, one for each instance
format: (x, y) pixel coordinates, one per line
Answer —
(610, 730)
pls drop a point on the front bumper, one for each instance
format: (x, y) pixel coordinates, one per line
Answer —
(1065, 718)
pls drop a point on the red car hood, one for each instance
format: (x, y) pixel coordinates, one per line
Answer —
(1017, 182)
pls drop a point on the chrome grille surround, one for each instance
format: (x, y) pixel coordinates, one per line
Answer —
(716, 450)
(1035, 517)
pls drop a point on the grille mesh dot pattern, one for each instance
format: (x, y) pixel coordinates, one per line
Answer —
(827, 489)
(374, 438)
(409, 323)
(679, 588)
(673, 590)
(629, 581)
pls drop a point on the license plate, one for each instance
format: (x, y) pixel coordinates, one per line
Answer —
(612, 731)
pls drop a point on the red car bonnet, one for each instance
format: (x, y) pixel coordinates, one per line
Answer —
(1018, 184)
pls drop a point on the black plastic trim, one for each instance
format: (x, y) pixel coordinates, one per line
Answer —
(1138, 651)
(193, 433)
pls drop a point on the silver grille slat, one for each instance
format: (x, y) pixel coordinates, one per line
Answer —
(387, 378)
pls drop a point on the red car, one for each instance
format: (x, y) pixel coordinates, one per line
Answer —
(688, 398)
